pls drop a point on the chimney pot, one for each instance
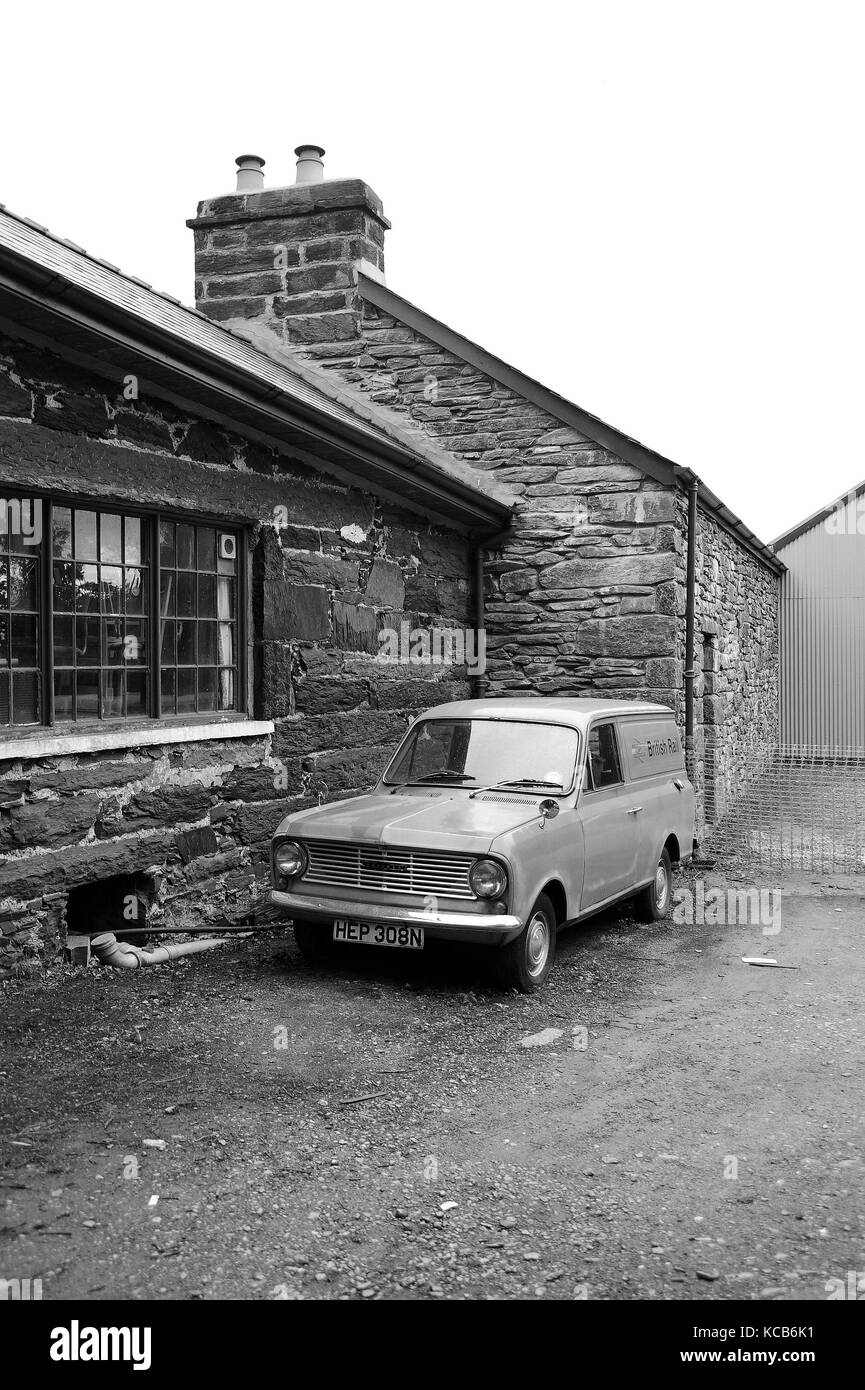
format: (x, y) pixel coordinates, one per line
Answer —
(250, 173)
(310, 168)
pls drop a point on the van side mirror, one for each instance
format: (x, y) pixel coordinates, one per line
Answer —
(549, 808)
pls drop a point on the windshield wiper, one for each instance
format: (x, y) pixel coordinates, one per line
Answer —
(436, 777)
(516, 782)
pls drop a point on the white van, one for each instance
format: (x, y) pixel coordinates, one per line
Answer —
(496, 821)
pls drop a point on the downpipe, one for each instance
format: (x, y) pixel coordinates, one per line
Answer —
(478, 683)
(690, 615)
(124, 956)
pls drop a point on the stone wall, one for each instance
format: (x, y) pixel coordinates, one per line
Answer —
(330, 567)
(582, 599)
(186, 817)
(287, 258)
(737, 657)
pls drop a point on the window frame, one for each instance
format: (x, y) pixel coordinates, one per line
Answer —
(11, 611)
(46, 667)
(591, 789)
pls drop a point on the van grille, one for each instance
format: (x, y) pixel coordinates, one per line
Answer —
(389, 870)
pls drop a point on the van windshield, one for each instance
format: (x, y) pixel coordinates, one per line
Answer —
(476, 752)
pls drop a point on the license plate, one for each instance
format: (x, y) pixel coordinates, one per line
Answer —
(378, 934)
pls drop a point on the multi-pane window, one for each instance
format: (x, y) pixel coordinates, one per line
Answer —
(197, 618)
(110, 615)
(20, 606)
(100, 585)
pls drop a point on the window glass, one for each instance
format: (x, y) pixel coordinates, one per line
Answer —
(476, 752)
(206, 548)
(100, 609)
(198, 619)
(64, 588)
(207, 595)
(20, 606)
(63, 532)
(85, 610)
(111, 537)
(133, 585)
(132, 540)
(604, 756)
(186, 547)
(23, 584)
(136, 694)
(85, 535)
(166, 544)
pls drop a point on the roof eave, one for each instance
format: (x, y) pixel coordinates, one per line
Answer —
(196, 370)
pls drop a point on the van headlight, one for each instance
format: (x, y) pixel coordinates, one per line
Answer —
(487, 878)
(290, 859)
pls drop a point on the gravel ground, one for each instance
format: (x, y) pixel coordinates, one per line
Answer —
(243, 1125)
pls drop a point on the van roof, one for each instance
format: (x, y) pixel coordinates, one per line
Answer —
(546, 708)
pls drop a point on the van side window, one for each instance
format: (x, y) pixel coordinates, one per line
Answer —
(603, 759)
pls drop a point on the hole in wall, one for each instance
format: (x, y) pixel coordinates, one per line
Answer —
(114, 904)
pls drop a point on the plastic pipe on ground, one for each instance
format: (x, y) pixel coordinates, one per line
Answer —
(124, 956)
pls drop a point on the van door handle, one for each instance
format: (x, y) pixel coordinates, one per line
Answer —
(678, 784)
(632, 810)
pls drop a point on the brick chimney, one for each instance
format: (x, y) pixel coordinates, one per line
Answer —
(284, 261)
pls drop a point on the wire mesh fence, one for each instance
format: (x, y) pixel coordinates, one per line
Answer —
(800, 807)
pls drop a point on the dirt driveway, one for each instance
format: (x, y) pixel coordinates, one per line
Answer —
(379, 1129)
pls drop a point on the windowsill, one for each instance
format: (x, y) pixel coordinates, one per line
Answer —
(49, 743)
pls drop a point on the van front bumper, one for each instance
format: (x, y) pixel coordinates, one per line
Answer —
(492, 928)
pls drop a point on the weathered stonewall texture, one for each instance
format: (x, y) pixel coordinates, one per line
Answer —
(330, 567)
(581, 598)
(737, 658)
(288, 258)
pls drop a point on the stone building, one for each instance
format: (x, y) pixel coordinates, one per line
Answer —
(588, 591)
(211, 518)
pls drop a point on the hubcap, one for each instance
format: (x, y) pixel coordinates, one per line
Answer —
(537, 944)
(661, 886)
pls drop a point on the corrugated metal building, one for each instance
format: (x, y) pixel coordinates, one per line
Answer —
(823, 627)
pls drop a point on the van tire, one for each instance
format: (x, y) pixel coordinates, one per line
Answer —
(654, 903)
(525, 962)
(313, 940)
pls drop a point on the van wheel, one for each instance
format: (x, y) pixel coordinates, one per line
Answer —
(313, 941)
(653, 904)
(524, 963)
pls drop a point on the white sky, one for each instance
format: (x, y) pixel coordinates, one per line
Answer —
(654, 208)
